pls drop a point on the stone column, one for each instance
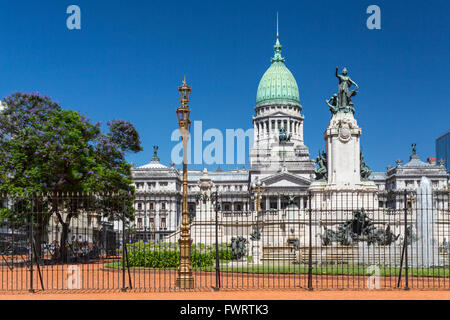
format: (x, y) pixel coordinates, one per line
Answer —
(301, 131)
(255, 140)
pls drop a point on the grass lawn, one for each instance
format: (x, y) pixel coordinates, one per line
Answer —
(353, 270)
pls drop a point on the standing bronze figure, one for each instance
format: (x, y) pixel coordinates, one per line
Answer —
(344, 93)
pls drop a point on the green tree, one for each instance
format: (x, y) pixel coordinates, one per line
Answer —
(56, 153)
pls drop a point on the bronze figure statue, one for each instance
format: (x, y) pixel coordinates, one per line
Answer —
(333, 104)
(322, 171)
(364, 168)
(344, 93)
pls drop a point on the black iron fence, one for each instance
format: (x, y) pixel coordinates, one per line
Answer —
(337, 240)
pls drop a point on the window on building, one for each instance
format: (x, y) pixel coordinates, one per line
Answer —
(163, 206)
(139, 206)
(163, 223)
(152, 206)
(139, 223)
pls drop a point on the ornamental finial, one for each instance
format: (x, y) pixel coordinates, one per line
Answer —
(277, 48)
(277, 26)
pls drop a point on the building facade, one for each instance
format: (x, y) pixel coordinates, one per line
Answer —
(280, 164)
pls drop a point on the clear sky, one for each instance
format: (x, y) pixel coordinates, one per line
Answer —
(129, 58)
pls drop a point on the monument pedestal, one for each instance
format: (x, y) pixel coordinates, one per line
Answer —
(344, 186)
(257, 252)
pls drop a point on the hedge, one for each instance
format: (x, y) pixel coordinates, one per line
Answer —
(167, 255)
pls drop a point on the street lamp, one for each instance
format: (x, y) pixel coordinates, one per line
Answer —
(185, 279)
(258, 188)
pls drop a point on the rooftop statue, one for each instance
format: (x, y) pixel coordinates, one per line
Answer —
(414, 149)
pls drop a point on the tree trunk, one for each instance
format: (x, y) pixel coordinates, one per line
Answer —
(64, 245)
(37, 236)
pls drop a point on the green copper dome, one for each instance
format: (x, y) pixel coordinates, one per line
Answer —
(277, 85)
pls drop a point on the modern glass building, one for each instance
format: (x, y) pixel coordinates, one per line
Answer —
(443, 149)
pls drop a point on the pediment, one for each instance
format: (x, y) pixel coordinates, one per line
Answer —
(286, 179)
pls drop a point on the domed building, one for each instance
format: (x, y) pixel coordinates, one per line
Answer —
(280, 175)
(279, 158)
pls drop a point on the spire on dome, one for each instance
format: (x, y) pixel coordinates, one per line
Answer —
(277, 26)
(277, 48)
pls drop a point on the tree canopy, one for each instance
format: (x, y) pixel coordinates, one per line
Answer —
(46, 149)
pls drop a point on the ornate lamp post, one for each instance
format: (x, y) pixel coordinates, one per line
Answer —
(258, 188)
(185, 279)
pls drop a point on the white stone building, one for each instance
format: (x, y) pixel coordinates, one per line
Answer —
(279, 161)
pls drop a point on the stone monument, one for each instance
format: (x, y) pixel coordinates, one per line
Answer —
(341, 169)
(256, 248)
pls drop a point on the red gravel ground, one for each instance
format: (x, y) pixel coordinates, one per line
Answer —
(105, 284)
(241, 295)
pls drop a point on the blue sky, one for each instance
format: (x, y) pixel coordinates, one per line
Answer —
(130, 56)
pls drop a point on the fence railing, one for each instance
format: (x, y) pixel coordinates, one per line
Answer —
(307, 241)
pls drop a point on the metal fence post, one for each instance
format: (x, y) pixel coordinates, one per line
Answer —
(124, 288)
(406, 238)
(217, 288)
(30, 252)
(310, 268)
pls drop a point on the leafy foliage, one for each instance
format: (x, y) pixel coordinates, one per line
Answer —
(44, 148)
(167, 255)
(57, 153)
